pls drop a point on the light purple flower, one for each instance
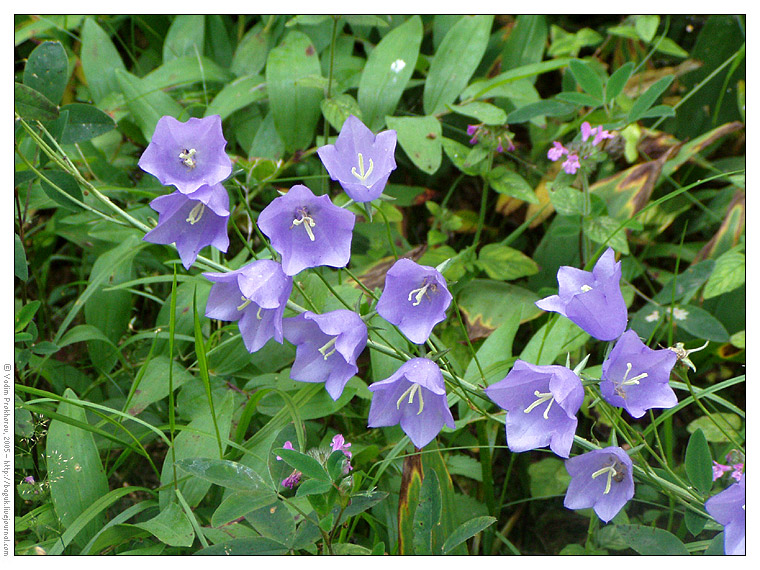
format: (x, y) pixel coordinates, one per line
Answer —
(29, 480)
(729, 509)
(602, 479)
(192, 221)
(415, 397)
(254, 295)
(592, 300)
(338, 443)
(598, 133)
(187, 155)
(287, 445)
(572, 164)
(415, 299)
(360, 161)
(541, 403)
(718, 469)
(556, 152)
(327, 347)
(292, 480)
(635, 377)
(307, 230)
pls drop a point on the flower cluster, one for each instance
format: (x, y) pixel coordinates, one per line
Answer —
(191, 157)
(577, 150)
(492, 137)
(735, 466)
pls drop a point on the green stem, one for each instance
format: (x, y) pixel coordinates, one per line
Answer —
(483, 200)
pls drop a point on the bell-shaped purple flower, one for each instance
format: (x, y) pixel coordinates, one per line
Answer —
(307, 230)
(187, 155)
(592, 300)
(415, 299)
(327, 347)
(360, 161)
(635, 377)
(254, 295)
(729, 508)
(602, 479)
(192, 221)
(415, 397)
(541, 403)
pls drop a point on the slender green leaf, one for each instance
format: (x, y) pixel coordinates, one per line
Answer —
(587, 79)
(306, 464)
(100, 62)
(33, 105)
(467, 530)
(224, 473)
(171, 526)
(617, 81)
(645, 101)
(698, 462)
(185, 36)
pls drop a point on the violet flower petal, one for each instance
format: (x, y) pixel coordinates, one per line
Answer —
(729, 508)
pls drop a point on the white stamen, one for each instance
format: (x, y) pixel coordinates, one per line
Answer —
(196, 213)
(412, 390)
(609, 470)
(542, 397)
(327, 345)
(418, 293)
(307, 221)
(246, 302)
(186, 156)
(361, 175)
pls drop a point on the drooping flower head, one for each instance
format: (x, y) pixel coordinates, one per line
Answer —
(415, 397)
(729, 508)
(192, 221)
(415, 299)
(635, 377)
(187, 155)
(254, 295)
(360, 161)
(307, 230)
(592, 300)
(602, 479)
(541, 403)
(327, 347)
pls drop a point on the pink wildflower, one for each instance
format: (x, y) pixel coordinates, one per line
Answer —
(572, 164)
(556, 152)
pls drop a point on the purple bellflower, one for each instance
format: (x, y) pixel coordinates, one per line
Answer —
(602, 479)
(254, 295)
(541, 403)
(415, 299)
(635, 377)
(360, 161)
(307, 230)
(192, 221)
(729, 508)
(592, 300)
(327, 347)
(187, 155)
(415, 397)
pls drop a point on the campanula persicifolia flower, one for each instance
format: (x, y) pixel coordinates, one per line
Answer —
(415, 299)
(187, 155)
(729, 508)
(541, 403)
(415, 397)
(327, 347)
(602, 479)
(635, 377)
(254, 295)
(192, 221)
(592, 300)
(307, 230)
(360, 161)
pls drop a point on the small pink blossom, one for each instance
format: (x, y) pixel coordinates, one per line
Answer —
(556, 152)
(719, 469)
(292, 480)
(586, 131)
(472, 129)
(572, 164)
(286, 445)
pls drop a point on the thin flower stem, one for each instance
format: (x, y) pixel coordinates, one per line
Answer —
(483, 200)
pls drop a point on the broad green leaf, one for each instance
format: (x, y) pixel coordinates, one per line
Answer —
(100, 62)
(237, 94)
(420, 137)
(698, 462)
(483, 112)
(546, 108)
(567, 201)
(564, 43)
(549, 344)
(509, 183)
(686, 284)
(32, 105)
(251, 53)
(587, 78)
(306, 464)
(700, 323)
(645, 101)
(387, 72)
(467, 530)
(409, 494)
(714, 426)
(74, 470)
(187, 70)
(427, 514)
(458, 154)
(20, 266)
(548, 477)
(526, 42)
(658, 111)
(606, 231)
(504, 263)
(651, 541)
(274, 521)
(617, 81)
(580, 99)
(171, 526)
(729, 274)
(337, 109)
(295, 108)
(154, 385)
(239, 504)
(646, 26)
(47, 70)
(84, 123)
(59, 186)
(185, 36)
(254, 546)
(146, 104)
(224, 473)
(455, 61)
(490, 87)
(487, 304)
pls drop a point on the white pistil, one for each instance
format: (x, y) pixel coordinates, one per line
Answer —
(186, 156)
(610, 471)
(411, 391)
(418, 293)
(361, 175)
(632, 381)
(246, 302)
(308, 223)
(258, 314)
(327, 345)
(196, 213)
(542, 397)
(586, 288)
